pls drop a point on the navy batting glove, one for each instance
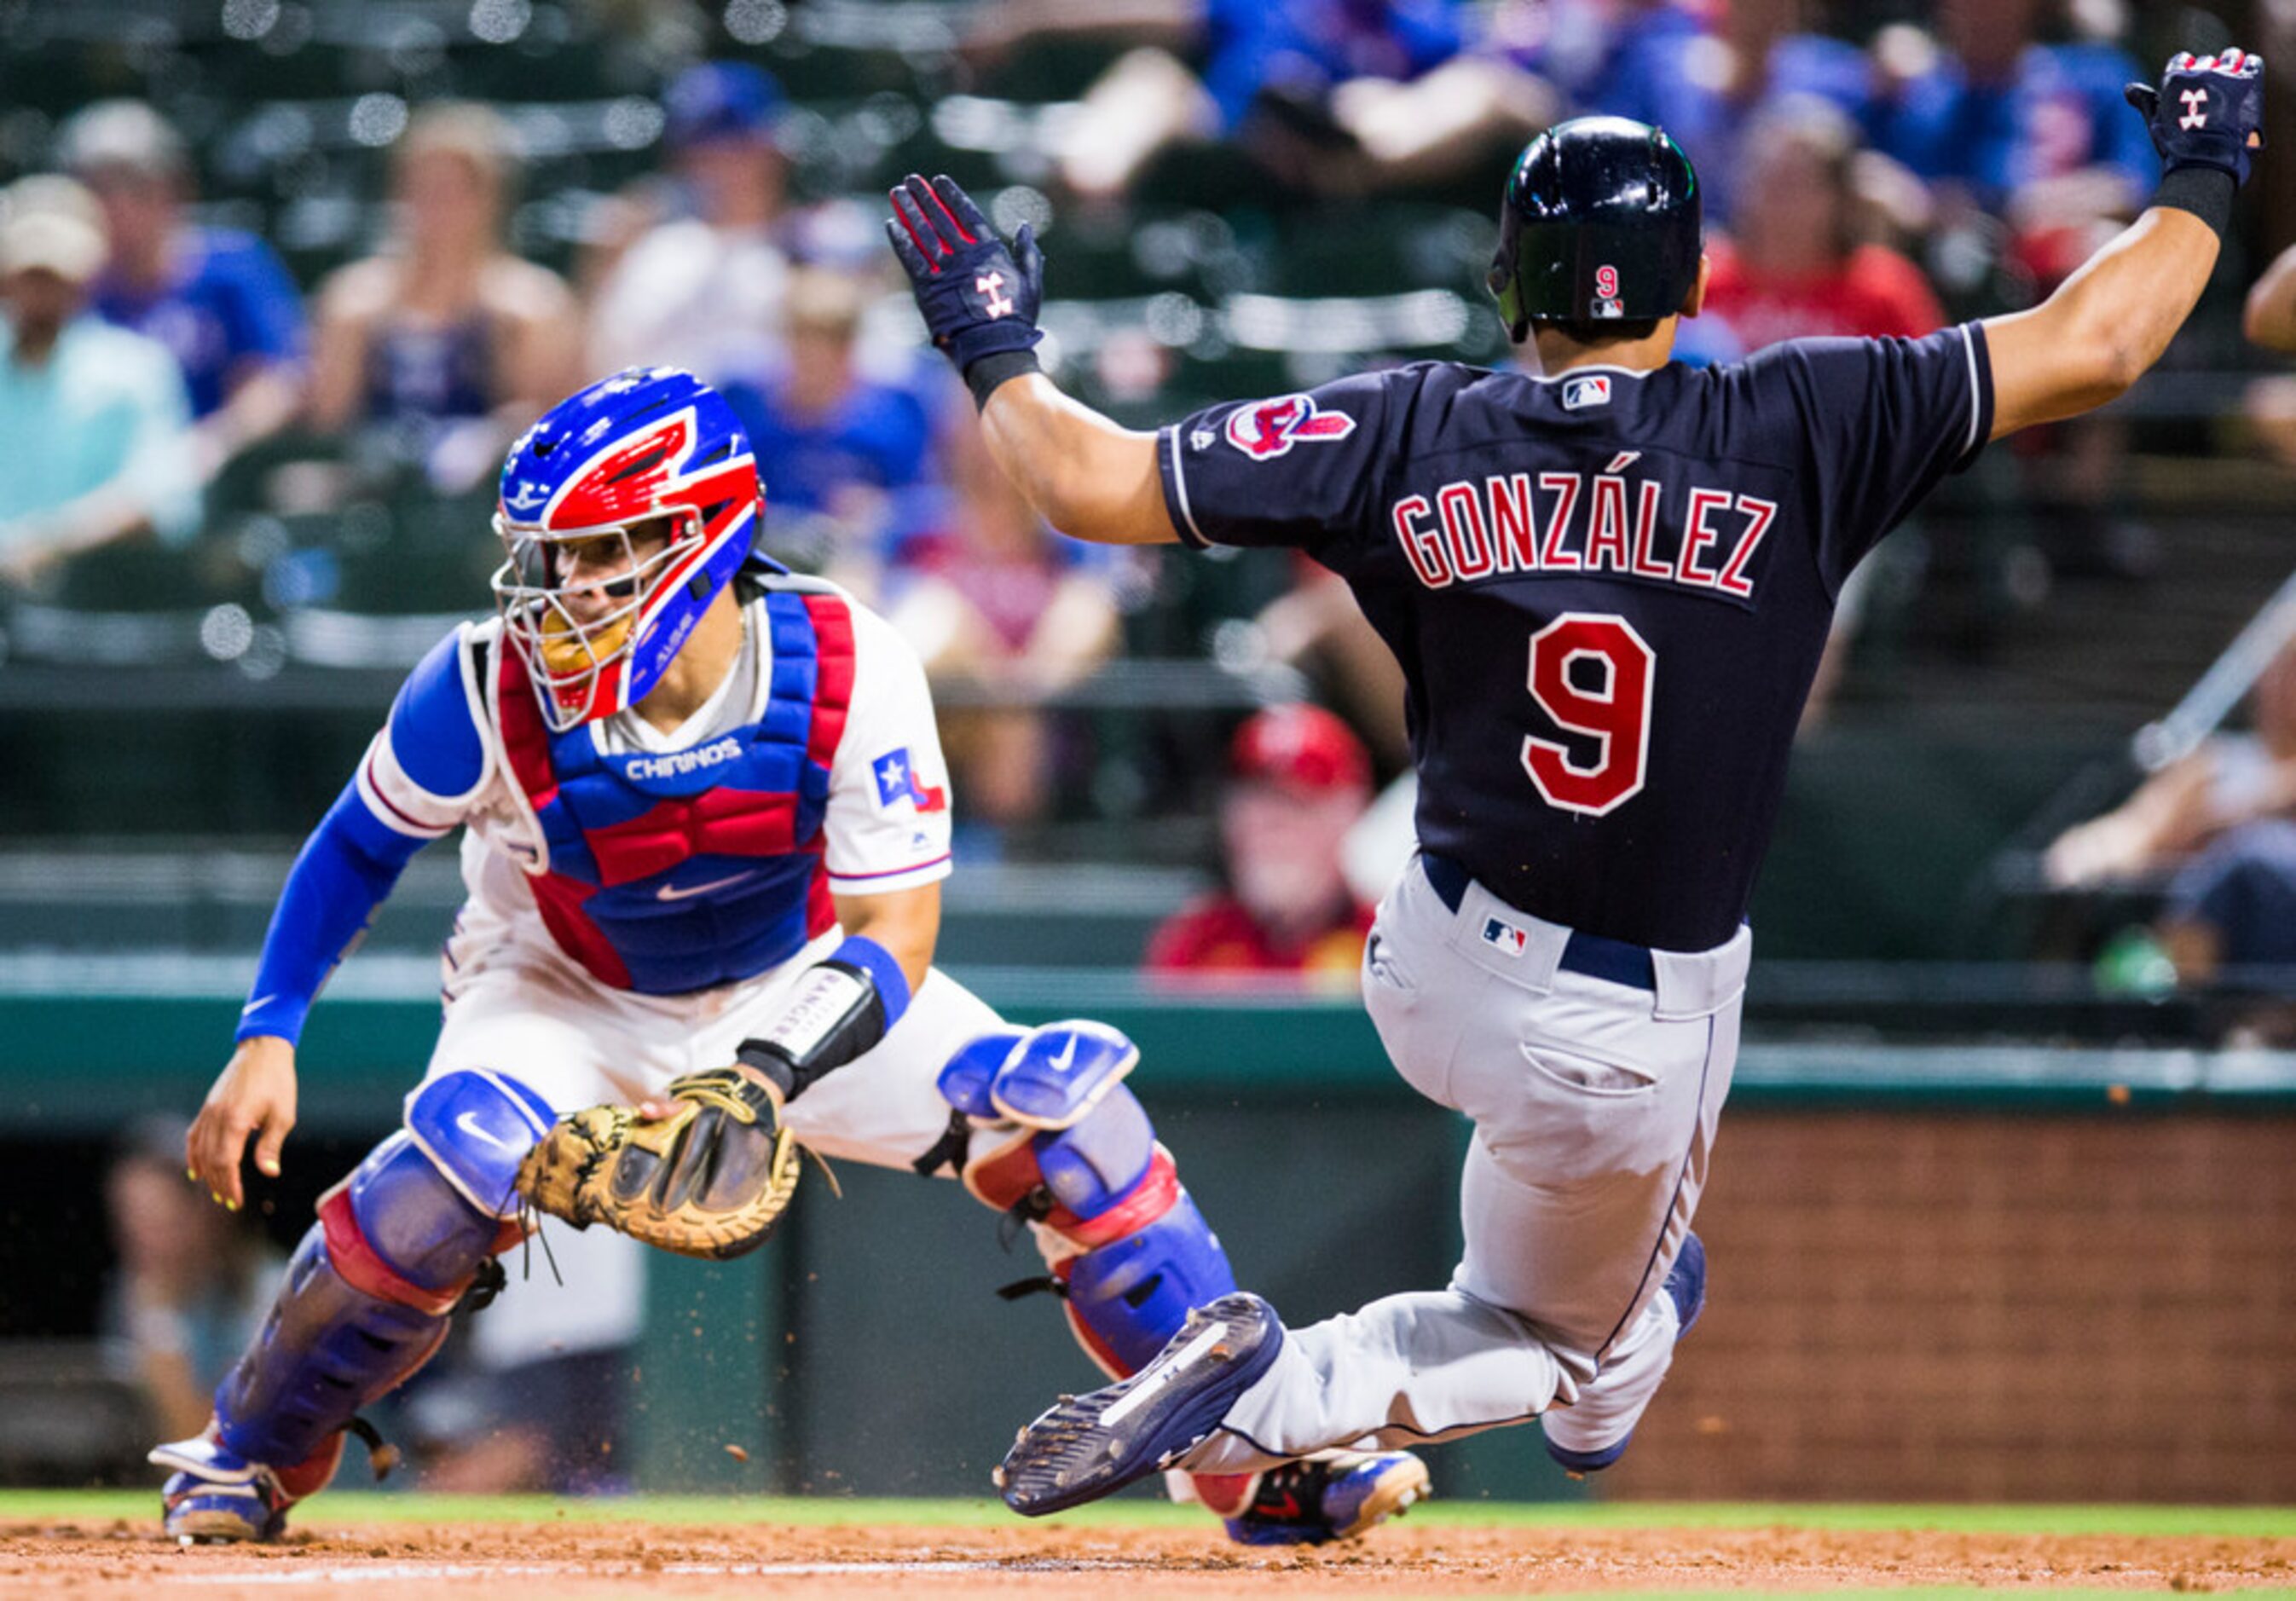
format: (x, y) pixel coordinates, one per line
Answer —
(2208, 111)
(979, 296)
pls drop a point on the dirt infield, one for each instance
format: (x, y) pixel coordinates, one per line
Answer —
(121, 1557)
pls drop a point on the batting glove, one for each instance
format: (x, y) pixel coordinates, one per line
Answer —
(2208, 111)
(979, 296)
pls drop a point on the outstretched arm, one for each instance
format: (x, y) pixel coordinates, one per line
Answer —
(2106, 325)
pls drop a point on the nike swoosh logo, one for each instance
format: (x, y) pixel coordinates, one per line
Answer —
(463, 1122)
(672, 893)
(256, 1004)
(1067, 1058)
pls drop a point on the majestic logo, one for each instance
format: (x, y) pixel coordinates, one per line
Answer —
(897, 781)
(1591, 388)
(1266, 430)
(1505, 936)
(526, 497)
(2196, 109)
(991, 287)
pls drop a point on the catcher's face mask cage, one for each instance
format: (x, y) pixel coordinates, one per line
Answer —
(623, 511)
(573, 601)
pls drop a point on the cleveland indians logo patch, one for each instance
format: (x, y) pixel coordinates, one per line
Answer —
(1266, 430)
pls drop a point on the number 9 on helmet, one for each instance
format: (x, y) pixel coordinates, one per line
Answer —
(624, 511)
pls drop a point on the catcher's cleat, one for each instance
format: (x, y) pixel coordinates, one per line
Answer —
(1685, 1287)
(218, 1497)
(1335, 1496)
(1086, 1446)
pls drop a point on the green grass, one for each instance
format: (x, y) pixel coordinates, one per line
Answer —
(354, 1506)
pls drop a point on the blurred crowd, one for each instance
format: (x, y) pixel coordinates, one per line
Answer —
(1864, 175)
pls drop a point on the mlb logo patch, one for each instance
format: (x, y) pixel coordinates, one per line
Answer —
(1504, 936)
(1594, 389)
(897, 781)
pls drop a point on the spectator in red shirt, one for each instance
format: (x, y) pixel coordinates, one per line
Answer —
(1794, 267)
(1300, 781)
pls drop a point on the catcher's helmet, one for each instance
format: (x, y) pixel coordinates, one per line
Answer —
(1601, 223)
(648, 444)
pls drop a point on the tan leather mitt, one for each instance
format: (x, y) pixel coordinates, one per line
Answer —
(711, 1180)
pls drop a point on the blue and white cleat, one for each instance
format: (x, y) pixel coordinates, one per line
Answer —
(1088, 1446)
(1685, 1287)
(219, 1497)
(1331, 1495)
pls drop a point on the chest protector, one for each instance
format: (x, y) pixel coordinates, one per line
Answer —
(668, 872)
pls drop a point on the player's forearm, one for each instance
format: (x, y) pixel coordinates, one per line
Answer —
(1086, 476)
(2105, 327)
(2135, 296)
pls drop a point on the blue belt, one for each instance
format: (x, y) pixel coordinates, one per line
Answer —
(1593, 955)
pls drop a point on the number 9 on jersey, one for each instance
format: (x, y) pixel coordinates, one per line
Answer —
(1615, 714)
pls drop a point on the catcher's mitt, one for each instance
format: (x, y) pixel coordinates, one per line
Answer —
(710, 1180)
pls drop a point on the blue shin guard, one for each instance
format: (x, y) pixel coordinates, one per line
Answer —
(366, 1302)
(1048, 1133)
(1130, 1253)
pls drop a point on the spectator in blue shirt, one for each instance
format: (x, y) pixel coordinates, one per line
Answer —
(1706, 88)
(1590, 50)
(94, 422)
(220, 299)
(2035, 134)
(1331, 96)
(836, 450)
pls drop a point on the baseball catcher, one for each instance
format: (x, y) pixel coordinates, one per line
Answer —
(706, 820)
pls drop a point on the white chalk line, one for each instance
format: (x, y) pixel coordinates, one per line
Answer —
(402, 1572)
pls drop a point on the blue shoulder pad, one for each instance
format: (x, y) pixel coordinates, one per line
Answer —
(432, 733)
(964, 1082)
(1060, 1070)
(476, 1128)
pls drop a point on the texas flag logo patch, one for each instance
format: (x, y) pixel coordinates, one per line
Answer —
(897, 781)
(1269, 429)
(1505, 936)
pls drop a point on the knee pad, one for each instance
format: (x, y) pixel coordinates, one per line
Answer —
(476, 1128)
(367, 1295)
(1061, 1143)
(1057, 1139)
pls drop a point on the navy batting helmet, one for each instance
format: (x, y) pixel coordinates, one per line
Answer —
(1601, 223)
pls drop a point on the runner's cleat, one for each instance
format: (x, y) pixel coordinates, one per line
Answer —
(1088, 1446)
(1335, 1496)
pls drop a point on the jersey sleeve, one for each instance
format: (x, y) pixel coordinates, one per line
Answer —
(425, 773)
(1303, 470)
(887, 820)
(1883, 421)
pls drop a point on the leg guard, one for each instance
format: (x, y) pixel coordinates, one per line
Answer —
(1059, 1142)
(367, 1295)
(1052, 1136)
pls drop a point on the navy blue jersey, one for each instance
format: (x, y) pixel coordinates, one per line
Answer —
(1607, 590)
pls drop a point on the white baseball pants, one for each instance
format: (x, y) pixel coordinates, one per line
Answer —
(1594, 1106)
